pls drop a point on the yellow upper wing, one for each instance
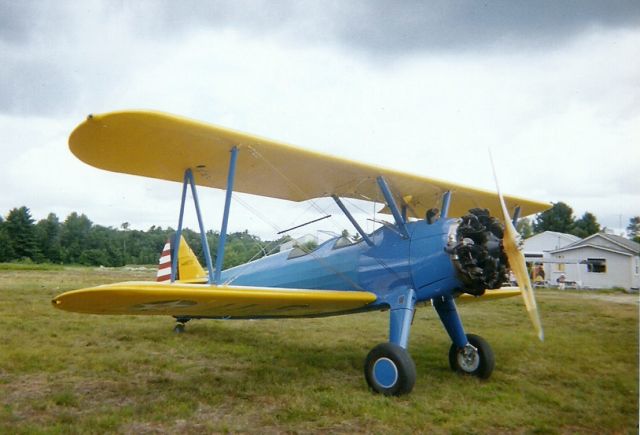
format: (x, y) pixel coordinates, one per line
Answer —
(162, 146)
(202, 300)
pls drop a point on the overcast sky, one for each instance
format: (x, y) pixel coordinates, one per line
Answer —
(552, 87)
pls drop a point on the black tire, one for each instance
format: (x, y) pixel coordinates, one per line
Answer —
(389, 370)
(479, 364)
(179, 328)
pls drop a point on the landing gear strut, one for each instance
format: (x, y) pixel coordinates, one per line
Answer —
(388, 368)
(469, 354)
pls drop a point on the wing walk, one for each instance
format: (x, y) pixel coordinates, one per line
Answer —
(157, 145)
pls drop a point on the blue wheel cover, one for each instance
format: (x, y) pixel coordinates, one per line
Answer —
(385, 372)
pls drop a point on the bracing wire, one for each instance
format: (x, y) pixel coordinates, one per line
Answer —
(269, 250)
(290, 182)
(312, 204)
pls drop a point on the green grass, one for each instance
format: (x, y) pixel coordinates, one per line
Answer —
(62, 372)
(30, 266)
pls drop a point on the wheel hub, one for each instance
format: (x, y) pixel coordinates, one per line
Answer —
(469, 358)
(385, 372)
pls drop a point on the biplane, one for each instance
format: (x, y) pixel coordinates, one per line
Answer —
(444, 242)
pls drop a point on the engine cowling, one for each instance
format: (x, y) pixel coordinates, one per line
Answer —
(477, 252)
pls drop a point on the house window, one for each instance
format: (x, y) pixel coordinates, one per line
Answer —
(560, 266)
(596, 265)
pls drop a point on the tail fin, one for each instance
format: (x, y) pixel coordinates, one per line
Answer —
(189, 268)
(188, 265)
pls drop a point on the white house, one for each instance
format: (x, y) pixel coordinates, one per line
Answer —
(537, 249)
(603, 261)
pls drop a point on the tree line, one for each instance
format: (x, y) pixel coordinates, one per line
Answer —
(560, 218)
(77, 240)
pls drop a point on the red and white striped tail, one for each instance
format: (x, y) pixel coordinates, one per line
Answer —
(164, 266)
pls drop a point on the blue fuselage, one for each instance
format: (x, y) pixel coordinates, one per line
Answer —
(418, 262)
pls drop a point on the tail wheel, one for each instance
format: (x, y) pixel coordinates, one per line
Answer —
(389, 370)
(475, 359)
(181, 324)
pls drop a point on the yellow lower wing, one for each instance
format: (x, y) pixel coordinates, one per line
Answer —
(504, 292)
(197, 300)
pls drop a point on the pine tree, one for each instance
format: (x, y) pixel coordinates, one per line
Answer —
(6, 251)
(21, 233)
(524, 228)
(74, 237)
(558, 218)
(633, 229)
(48, 238)
(585, 226)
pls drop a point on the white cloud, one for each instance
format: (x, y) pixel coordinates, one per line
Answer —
(562, 123)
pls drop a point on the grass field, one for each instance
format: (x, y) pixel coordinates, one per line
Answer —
(63, 372)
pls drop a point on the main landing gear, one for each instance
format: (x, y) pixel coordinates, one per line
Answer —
(469, 354)
(475, 359)
(389, 369)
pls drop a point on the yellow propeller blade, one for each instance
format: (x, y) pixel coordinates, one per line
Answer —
(517, 262)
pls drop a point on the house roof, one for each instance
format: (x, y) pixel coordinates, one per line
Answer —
(626, 246)
(568, 237)
(589, 245)
(629, 244)
(547, 241)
